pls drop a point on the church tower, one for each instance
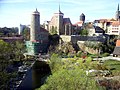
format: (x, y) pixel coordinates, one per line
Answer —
(117, 14)
(59, 19)
(35, 26)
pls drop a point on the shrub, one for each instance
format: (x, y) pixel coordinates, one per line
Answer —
(105, 54)
(74, 79)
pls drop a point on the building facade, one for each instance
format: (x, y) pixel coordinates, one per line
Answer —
(110, 26)
(63, 26)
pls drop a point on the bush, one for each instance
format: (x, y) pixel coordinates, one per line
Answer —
(105, 54)
(79, 53)
(74, 79)
(55, 62)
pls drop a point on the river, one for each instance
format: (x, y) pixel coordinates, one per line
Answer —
(35, 76)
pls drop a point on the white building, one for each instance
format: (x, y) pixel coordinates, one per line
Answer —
(114, 28)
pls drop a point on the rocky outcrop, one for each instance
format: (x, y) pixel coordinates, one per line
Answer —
(87, 49)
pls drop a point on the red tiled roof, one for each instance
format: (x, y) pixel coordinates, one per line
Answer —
(103, 20)
(118, 43)
(81, 22)
(106, 20)
(115, 23)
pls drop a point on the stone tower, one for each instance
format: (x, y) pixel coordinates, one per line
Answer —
(82, 17)
(117, 14)
(35, 26)
(34, 45)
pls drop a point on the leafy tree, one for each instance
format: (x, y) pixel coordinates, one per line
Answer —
(26, 33)
(53, 30)
(8, 53)
(5, 52)
(18, 50)
(84, 32)
(74, 79)
(55, 62)
(69, 74)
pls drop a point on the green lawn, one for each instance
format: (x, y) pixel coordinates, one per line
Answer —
(114, 66)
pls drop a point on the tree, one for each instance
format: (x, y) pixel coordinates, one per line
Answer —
(68, 75)
(5, 52)
(18, 50)
(26, 33)
(8, 53)
(74, 79)
(53, 30)
(55, 62)
(84, 32)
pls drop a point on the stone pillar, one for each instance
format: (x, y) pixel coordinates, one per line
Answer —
(69, 29)
(65, 29)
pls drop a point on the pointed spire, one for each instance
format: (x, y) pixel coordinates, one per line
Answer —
(118, 7)
(59, 8)
(36, 10)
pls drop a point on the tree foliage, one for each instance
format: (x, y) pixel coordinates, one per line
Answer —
(18, 50)
(69, 74)
(5, 51)
(53, 30)
(84, 32)
(26, 33)
(8, 53)
(74, 79)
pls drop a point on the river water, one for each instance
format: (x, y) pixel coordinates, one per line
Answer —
(35, 76)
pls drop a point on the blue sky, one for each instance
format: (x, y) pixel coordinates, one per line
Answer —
(15, 12)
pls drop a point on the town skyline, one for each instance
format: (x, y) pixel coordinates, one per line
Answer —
(14, 13)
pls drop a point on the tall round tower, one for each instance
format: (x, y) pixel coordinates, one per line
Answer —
(35, 26)
(82, 17)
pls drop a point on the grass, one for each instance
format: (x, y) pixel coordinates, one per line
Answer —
(114, 66)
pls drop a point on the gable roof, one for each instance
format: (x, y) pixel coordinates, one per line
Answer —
(80, 23)
(115, 23)
(116, 51)
(118, 43)
(98, 29)
(66, 21)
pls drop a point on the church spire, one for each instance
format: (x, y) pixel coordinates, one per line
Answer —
(59, 8)
(118, 7)
(36, 10)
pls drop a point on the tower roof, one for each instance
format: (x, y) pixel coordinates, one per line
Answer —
(60, 10)
(82, 14)
(36, 12)
(82, 17)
